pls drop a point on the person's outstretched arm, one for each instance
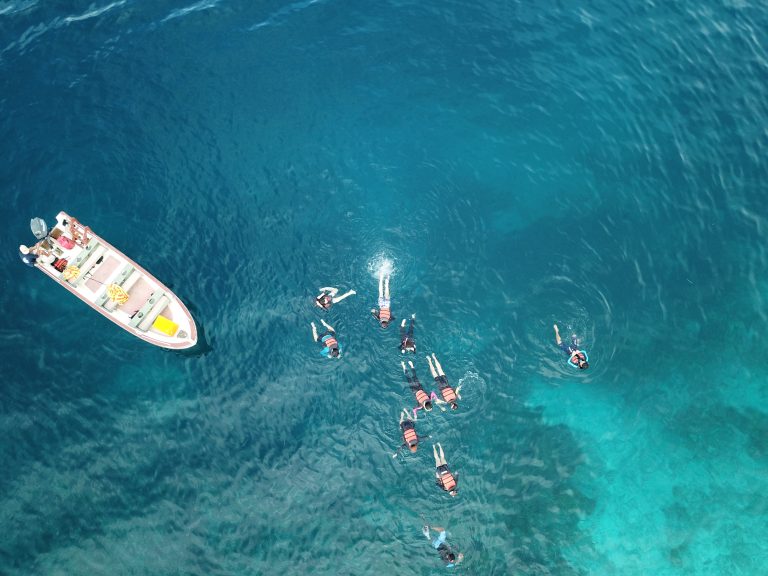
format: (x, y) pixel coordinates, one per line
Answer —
(324, 323)
(399, 448)
(340, 298)
(458, 389)
(330, 290)
(412, 325)
(375, 313)
(314, 332)
(557, 336)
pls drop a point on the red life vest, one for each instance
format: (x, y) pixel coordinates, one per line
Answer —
(410, 436)
(331, 342)
(421, 397)
(448, 394)
(576, 357)
(447, 481)
(384, 315)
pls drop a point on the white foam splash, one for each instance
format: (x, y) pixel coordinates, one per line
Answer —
(381, 264)
(93, 12)
(198, 6)
(8, 8)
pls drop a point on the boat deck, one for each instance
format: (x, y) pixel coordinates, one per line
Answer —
(152, 312)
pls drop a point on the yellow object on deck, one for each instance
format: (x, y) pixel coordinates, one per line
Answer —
(117, 294)
(165, 325)
(71, 272)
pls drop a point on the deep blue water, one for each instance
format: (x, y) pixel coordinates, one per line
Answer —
(600, 165)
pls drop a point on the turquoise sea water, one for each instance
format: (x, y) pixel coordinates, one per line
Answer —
(599, 165)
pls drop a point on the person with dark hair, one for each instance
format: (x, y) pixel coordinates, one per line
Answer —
(384, 313)
(331, 346)
(443, 476)
(328, 298)
(577, 358)
(447, 555)
(422, 398)
(449, 394)
(408, 427)
(27, 255)
(407, 341)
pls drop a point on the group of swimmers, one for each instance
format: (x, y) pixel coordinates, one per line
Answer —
(332, 348)
(445, 479)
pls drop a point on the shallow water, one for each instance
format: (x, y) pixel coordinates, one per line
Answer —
(594, 165)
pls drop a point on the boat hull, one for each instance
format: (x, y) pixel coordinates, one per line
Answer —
(166, 322)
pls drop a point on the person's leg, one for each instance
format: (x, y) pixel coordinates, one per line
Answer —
(404, 370)
(386, 287)
(437, 458)
(403, 415)
(340, 298)
(410, 327)
(314, 331)
(431, 368)
(381, 285)
(442, 455)
(437, 365)
(328, 326)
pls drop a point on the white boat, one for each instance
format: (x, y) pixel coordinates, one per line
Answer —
(112, 284)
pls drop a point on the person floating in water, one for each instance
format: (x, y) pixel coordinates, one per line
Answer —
(407, 341)
(408, 427)
(332, 348)
(577, 358)
(384, 313)
(328, 298)
(449, 394)
(424, 401)
(27, 255)
(443, 476)
(450, 558)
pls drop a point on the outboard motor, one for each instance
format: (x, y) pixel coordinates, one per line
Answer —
(39, 228)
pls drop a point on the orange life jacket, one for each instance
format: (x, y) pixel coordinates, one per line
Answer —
(410, 436)
(384, 315)
(447, 481)
(576, 357)
(331, 343)
(448, 394)
(421, 397)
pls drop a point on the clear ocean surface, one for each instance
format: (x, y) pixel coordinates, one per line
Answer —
(601, 165)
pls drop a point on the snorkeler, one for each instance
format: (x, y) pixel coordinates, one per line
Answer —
(332, 348)
(407, 341)
(408, 426)
(577, 358)
(449, 394)
(328, 298)
(424, 401)
(450, 558)
(444, 478)
(383, 314)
